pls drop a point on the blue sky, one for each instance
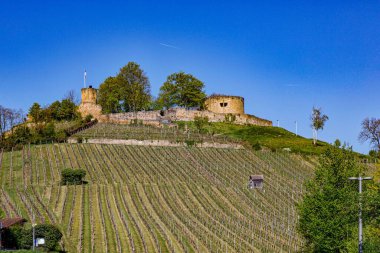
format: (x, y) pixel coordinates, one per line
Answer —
(284, 57)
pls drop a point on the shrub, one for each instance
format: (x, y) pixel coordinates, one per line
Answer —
(190, 143)
(72, 176)
(88, 118)
(374, 154)
(181, 124)
(51, 234)
(200, 122)
(16, 237)
(79, 139)
(256, 146)
(229, 118)
(21, 238)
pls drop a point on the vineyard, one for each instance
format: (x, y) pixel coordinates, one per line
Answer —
(158, 199)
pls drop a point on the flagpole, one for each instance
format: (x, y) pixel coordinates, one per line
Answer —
(84, 78)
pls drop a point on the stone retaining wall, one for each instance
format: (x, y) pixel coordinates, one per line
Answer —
(161, 143)
(180, 114)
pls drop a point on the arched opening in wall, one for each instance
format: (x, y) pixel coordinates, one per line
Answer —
(223, 104)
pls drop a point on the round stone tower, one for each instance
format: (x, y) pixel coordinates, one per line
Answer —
(88, 104)
(89, 95)
(225, 104)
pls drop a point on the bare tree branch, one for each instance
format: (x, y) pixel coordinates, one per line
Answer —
(371, 132)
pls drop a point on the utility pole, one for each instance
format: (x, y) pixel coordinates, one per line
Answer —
(1, 239)
(360, 179)
(34, 236)
(296, 127)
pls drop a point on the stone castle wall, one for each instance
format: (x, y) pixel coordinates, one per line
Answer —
(180, 114)
(220, 108)
(88, 108)
(225, 104)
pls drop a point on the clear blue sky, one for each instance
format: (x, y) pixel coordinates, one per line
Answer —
(284, 57)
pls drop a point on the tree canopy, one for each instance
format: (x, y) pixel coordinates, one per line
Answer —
(329, 210)
(129, 91)
(183, 90)
(58, 110)
(35, 111)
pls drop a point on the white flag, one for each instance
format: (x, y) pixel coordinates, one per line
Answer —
(85, 76)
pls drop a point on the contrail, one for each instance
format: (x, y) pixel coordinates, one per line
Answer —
(167, 45)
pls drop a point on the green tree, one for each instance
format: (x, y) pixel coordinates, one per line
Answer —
(54, 109)
(129, 91)
(328, 211)
(67, 110)
(183, 90)
(109, 95)
(317, 122)
(21, 135)
(49, 131)
(135, 87)
(36, 113)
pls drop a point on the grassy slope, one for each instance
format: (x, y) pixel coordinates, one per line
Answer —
(274, 138)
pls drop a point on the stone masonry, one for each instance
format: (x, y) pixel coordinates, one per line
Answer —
(219, 108)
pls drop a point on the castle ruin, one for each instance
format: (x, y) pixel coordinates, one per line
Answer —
(219, 108)
(225, 104)
(89, 103)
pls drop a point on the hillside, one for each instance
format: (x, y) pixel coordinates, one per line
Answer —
(271, 138)
(158, 199)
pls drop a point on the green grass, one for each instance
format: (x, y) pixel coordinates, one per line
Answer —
(274, 138)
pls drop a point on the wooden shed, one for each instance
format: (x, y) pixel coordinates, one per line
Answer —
(8, 222)
(256, 181)
(5, 224)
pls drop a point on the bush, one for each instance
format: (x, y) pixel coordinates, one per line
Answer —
(16, 237)
(88, 118)
(72, 176)
(229, 118)
(200, 122)
(51, 234)
(190, 143)
(256, 146)
(337, 143)
(374, 154)
(21, 238)
(79, 139)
